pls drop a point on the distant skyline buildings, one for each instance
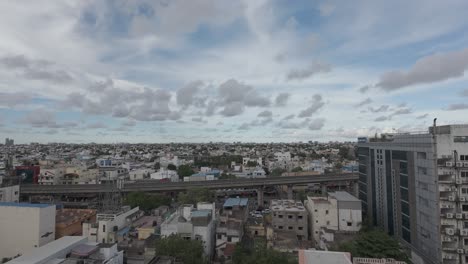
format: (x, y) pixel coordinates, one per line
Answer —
(249, 71)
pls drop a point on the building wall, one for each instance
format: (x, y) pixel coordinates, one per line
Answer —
(293, 220)
(9, 194)
(412, 198)
(323, 213)
(24, 228)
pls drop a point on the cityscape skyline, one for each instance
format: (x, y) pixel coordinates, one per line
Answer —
(248, 71)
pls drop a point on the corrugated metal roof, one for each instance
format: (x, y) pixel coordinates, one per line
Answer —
(230, 202)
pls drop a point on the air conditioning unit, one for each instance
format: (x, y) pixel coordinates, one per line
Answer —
(466, 215)
(465, 164)
(450, 231)
(449, 215)
(463, 232)
(466, 251)
(459, 216)
(449, 164)
(451, 198)
(446, 256)
(459, 181)
(462, 199)
(460, 251)
(447, 239)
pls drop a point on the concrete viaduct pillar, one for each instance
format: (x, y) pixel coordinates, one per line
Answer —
(290, 192)
(324, 189)
(356, 189)
(260, 196)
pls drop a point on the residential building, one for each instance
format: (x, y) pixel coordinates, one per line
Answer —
(230, 225)
(376, 261)
(72, 250)
(415, 186)
(68, 222)
(165, 174)
(25, 226)
(290, 216)
(258, 161)
(191, 223)
(51, 176)
(9, 193)
(145, 226)
(109, 226)
(338, 212)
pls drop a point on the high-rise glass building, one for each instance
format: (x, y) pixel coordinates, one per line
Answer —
(415, 186)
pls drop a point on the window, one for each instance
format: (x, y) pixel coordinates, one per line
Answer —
(256, 232)
(299, 217)
(349, 223)
(421, 155)
(315, 210)
(422, 170)
(300, 228)
(290, 216)
(328, 222)
(280, 227)
(326, 211)
(103, 228)
(465, 225)
(464, 174)
(465, 241)
(460, 139)
(220, 236)
(230, 239)
(290, 227)
(465, 207)
(316, 221)
(280, 216)
(464, 190)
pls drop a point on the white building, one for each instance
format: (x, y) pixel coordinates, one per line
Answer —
(51, 176)
(72, 250)
(107, 226)
(165, 174)
(192, 224)
(24, 227)
(140, 174)
(258, 161)
(340, 211)
(9, 194)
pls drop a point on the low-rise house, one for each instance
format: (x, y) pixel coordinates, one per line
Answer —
(290, 216)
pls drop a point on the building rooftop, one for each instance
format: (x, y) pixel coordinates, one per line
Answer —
(344, 196)
(230, 202)
(323, 257)
(31, 205)
(70, 216)
(45, 253)
(201, 213)
(286, 205)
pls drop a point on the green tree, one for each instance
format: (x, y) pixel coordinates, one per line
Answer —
(297, 169)
(277, 172)
(251, 163)
(145, 201)
(195, 195)
(374, 243)
(185, 251)
(171, 167)
(184, 171)
(301, 195)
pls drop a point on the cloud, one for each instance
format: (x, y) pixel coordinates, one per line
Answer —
(96, 125)
(288, 117)
(232, 109)
(40, 118)
(317, 103)
(317, 124)
(326, 9)
(33, 69)
(464, 93)
(244, 126)
(403, 111)
(315, 68)
(13, 99)
(185, 95)
(235, 96)
(382, 108)
(282, 99)
(364, 89)
(430, 69)
(364, 102)
(455, 107)
(382, 118)
(265, 113)
(198, 119)
(422, 116)
(129, 123)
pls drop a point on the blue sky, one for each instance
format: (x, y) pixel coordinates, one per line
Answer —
(213, 70)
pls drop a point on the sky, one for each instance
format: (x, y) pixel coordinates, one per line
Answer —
(213, 70)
